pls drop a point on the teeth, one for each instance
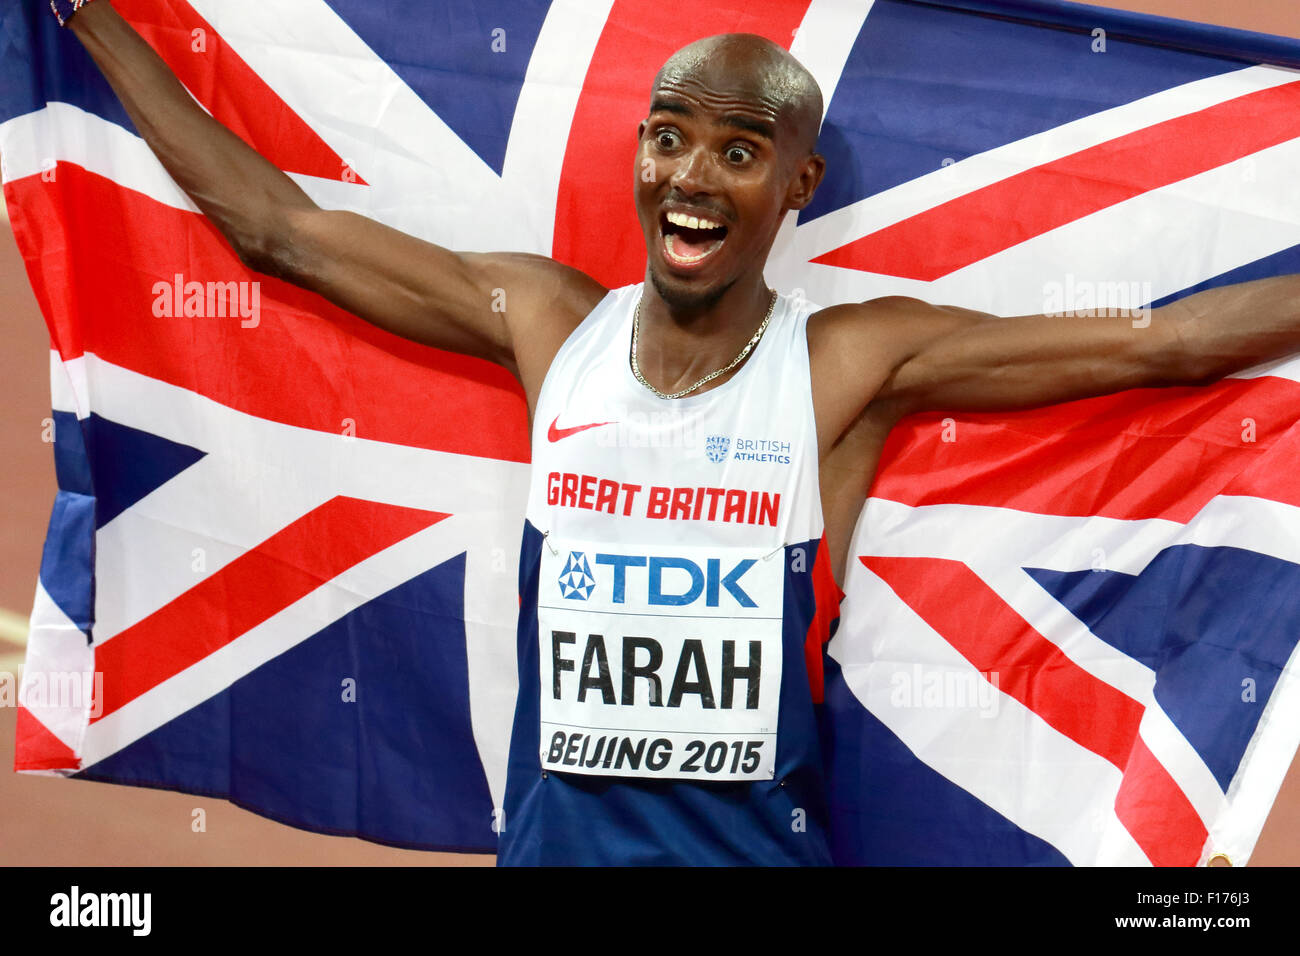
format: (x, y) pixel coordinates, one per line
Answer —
(692, 222)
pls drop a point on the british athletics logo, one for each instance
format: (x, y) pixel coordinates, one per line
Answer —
(251, 516)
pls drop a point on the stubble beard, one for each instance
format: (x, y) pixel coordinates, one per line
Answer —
(682, 300)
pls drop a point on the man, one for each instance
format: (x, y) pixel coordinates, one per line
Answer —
(727, 149)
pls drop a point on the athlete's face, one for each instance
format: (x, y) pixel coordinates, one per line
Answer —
(718, 165)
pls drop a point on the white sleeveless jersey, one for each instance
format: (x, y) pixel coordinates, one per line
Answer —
(670, 579)
(719, 459)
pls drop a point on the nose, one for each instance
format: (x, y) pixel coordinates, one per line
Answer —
(693, 172)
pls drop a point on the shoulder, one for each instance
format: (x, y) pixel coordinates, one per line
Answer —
(547, 287)
(878, 334)
(854, 348)
(887, 321)
(891, 330)
(542, 301)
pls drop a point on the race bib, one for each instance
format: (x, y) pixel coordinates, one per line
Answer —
(660, 662)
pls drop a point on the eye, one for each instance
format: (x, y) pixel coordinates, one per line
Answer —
(738, 155)
(667, 139)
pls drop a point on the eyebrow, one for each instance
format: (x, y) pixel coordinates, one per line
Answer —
(758, 127)
(669, 106)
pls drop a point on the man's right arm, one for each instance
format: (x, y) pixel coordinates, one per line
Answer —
(413, 288)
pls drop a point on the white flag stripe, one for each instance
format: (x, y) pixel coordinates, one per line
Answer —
(915, 196)
(33, 142)
(996, 543)
(1287, 367)
(275, 635)
(421, 175)
(825, 38)
(980, 535)
(1013, 761)
(1227, 217)
(1134, 244)
(287, 470)
(1179, 758)
(68, 386)
(1053, 621)
(491, 624)
(822, 43)
(1264, 765)
(424, 180)
(58, 661)
(539, 135)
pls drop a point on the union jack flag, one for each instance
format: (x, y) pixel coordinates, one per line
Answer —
(288, 541)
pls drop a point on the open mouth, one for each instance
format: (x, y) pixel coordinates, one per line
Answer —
(689, 239)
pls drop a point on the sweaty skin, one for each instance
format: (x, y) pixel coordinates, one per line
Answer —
(730, 136)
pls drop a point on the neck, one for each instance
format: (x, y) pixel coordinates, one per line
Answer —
(679, 344)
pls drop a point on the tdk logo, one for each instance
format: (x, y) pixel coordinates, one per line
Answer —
(576, 582)
(670, 581)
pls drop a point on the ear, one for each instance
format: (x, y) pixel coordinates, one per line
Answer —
(640, 130)
(808, 177)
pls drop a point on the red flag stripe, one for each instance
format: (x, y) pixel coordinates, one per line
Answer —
(1028, 667)
(1144, 453)
(306, 363)
(598, 174)
(290, 564)
(232, 92)
(36, 748)
(985, 630)
(979, 224)
(1150, 803)
(827, 597)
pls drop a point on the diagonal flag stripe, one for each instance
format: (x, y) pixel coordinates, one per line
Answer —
(36, 748)
(231, 91)
(997, 640)
(962, 231)
(285, 567)
(305, 363)
(1033, 670)
(1139, 454)
(1157, 813)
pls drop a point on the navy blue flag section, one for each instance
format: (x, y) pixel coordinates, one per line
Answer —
(282, 565)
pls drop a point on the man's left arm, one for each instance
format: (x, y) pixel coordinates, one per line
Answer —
(1025, 361)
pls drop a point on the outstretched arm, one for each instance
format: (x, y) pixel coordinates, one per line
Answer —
(948, 362)
(405, 285)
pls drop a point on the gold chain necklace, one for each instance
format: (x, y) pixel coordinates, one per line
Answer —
(636, 369)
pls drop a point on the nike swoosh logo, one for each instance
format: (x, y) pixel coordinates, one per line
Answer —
(554, 434)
